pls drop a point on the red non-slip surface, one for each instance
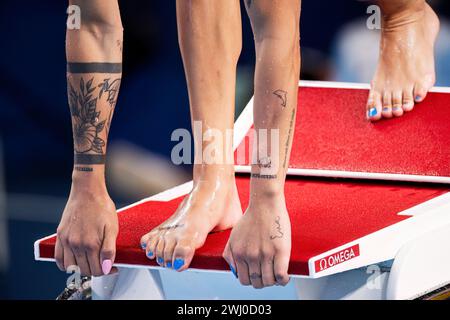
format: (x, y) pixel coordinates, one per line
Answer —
(332, 133)
(324, 215)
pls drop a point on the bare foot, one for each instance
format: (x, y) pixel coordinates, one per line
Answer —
(405, 70)
(212, 205)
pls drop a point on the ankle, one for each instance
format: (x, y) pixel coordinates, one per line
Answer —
(396, 13)
(213, 173)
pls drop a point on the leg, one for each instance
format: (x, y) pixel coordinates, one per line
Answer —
(405, 69)
(259, 245)
(88, 228)
(210, 41)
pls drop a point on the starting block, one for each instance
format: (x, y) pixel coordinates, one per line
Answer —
(369, 206)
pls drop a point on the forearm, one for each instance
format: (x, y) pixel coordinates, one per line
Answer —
(275, 104)
(94, 67)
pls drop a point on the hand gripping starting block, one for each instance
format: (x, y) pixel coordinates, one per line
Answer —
(369, 206)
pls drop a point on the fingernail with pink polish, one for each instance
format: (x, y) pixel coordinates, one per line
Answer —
(106, 266)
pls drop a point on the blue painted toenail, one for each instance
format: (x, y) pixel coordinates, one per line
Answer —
(233, 270)
(417, 98)
(372, 112)
(386, 109)
(178, 263)
(169, 264)
(150, 254)
(160, 260)
(143, 245)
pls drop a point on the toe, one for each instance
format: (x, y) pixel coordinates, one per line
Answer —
(407, 101)
(159, 250)
(150, 248)
(397, 103)
(420, 92)
(386, 112)
(169, 247)
(182, 255)
(374, 106)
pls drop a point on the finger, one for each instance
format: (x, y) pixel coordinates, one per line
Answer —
(93, 256)
(254, 270)
(59, 254)
(108, 250)
(229, 259)
(267, 270)
(242, 270)
(69, 258)
(281, 265)
(82, 261)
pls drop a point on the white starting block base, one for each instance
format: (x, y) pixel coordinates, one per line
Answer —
(421, 265)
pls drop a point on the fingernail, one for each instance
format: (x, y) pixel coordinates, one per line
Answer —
(372, 112)
(150, 254)
(106, 266)
(233, 271)
(160, 261)
(143, 245)
(169, 264)
(178, 263)
(418, 98)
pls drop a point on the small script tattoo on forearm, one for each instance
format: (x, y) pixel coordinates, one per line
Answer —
(84, 169)
(279, 232)
(288, 140)
(265, 162)
(263, 176)
(282, 95)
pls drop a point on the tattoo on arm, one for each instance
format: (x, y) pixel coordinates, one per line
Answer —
(288, 140)
(90, 124)
(279, 233)
(265, 162)
(282, 95)
(263, 176)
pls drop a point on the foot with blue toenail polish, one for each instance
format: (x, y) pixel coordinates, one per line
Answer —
(212, 205)
(406, 66)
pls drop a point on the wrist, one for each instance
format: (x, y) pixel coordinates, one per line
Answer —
(84, 180)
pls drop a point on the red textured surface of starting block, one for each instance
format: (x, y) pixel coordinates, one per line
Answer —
(332, 133)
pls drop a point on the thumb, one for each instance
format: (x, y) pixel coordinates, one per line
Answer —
(108, 250)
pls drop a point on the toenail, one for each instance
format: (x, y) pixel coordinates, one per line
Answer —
(233, 270)
(418, 98)
(143, 245)
(372, 112)
(386, 109)
(178, 263)
(169, 264)
(160, 260)
(150, 254)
